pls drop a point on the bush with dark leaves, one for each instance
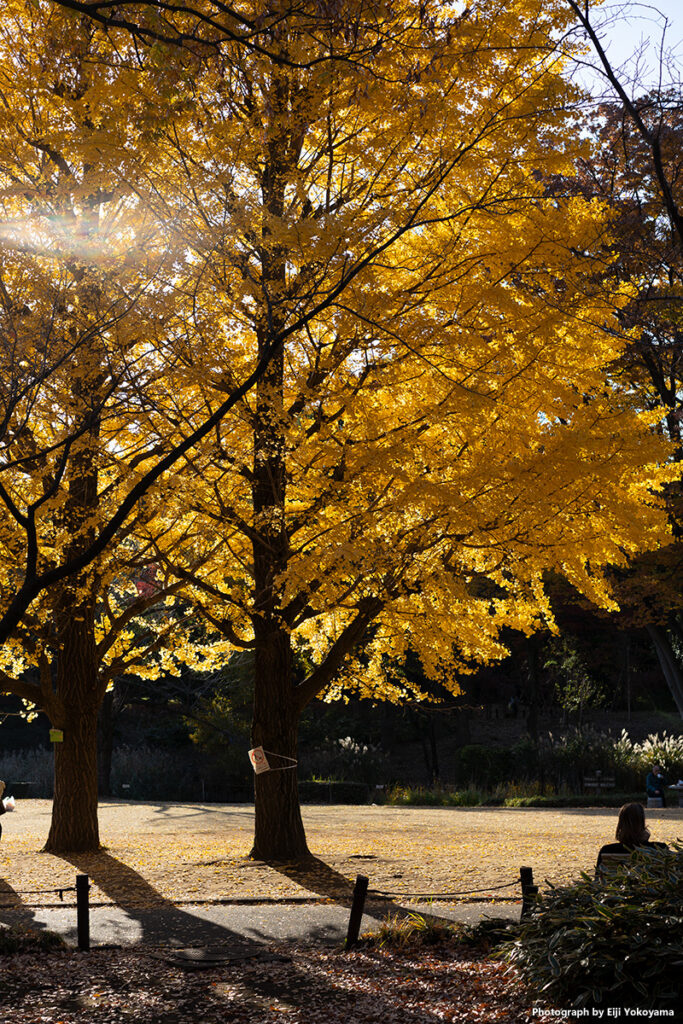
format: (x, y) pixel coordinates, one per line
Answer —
(614, 940)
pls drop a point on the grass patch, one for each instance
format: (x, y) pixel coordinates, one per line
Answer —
(422, 796)
(575, 800)
(400, 932)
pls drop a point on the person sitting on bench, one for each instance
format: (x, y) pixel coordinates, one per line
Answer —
(631, 833)
(655, 783)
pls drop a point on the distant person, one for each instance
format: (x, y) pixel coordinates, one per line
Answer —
(655, 783)
(631, 834)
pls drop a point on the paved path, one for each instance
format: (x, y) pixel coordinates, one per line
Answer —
(239, 925)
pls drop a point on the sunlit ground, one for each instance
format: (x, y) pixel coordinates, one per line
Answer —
(190, 852)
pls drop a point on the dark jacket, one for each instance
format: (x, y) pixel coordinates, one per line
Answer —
(620, 848)
(654, 784)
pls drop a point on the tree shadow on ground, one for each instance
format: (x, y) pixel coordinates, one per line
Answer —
(13, 909)
(316, 876)
(164, 924)
(160, 921)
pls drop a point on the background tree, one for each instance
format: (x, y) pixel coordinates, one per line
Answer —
(621, 172)
(80, 305)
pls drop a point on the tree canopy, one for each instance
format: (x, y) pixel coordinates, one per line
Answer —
(364, 345)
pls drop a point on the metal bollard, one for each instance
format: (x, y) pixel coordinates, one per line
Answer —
(83, 911)
(529, 890)
(360, 891)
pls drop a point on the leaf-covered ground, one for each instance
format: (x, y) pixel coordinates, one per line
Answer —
(297, 985)
(158, 854)
(192, 852)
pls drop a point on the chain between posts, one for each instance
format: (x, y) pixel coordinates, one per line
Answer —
(361, 891)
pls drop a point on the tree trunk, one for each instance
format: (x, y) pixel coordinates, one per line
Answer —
(278, 828)
(74, 824)
(105, 743)
(534, 687)
(279, 831)
(671, 669)
(74, 811)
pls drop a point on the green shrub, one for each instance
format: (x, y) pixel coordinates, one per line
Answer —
(574, 800)
(420, 796)
(17, 938)
(614, 941)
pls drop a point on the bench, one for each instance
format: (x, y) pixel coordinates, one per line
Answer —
(599, 782)
(613, 860)
(609, 862)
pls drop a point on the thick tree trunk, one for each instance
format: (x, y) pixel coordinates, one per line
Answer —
(74, 824)
(278, 828)
(279, 832)
(74, 811)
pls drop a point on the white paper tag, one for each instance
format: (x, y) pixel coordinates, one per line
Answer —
(259, 761)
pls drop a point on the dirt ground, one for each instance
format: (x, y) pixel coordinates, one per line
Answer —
(155, 853)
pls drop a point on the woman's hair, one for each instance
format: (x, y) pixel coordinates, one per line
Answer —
(631, 830)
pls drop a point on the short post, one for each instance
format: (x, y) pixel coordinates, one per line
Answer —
(83, 911)
(360, 891)
(529, 890)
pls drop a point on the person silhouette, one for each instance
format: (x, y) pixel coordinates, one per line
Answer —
(631, 833)
(655, 783)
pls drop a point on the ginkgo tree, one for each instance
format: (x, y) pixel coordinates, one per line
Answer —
(83, 286)
(439, 427)
(61, 186)
(374, 373)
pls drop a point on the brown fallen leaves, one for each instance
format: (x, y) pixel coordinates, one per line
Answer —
(298, 985)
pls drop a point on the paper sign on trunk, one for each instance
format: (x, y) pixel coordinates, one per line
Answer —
(258, 759)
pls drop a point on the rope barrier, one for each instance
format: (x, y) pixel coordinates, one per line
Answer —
(42, 892)
(436, 895)
(38, 892)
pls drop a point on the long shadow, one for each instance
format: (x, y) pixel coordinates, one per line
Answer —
(318, 877)
(162, 923)
(159, 921)
(191, 809)
(13, 910)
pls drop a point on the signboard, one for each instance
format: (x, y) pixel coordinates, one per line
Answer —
(259, 761)
(56, 736)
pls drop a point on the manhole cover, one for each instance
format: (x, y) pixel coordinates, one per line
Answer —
(200, 957)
